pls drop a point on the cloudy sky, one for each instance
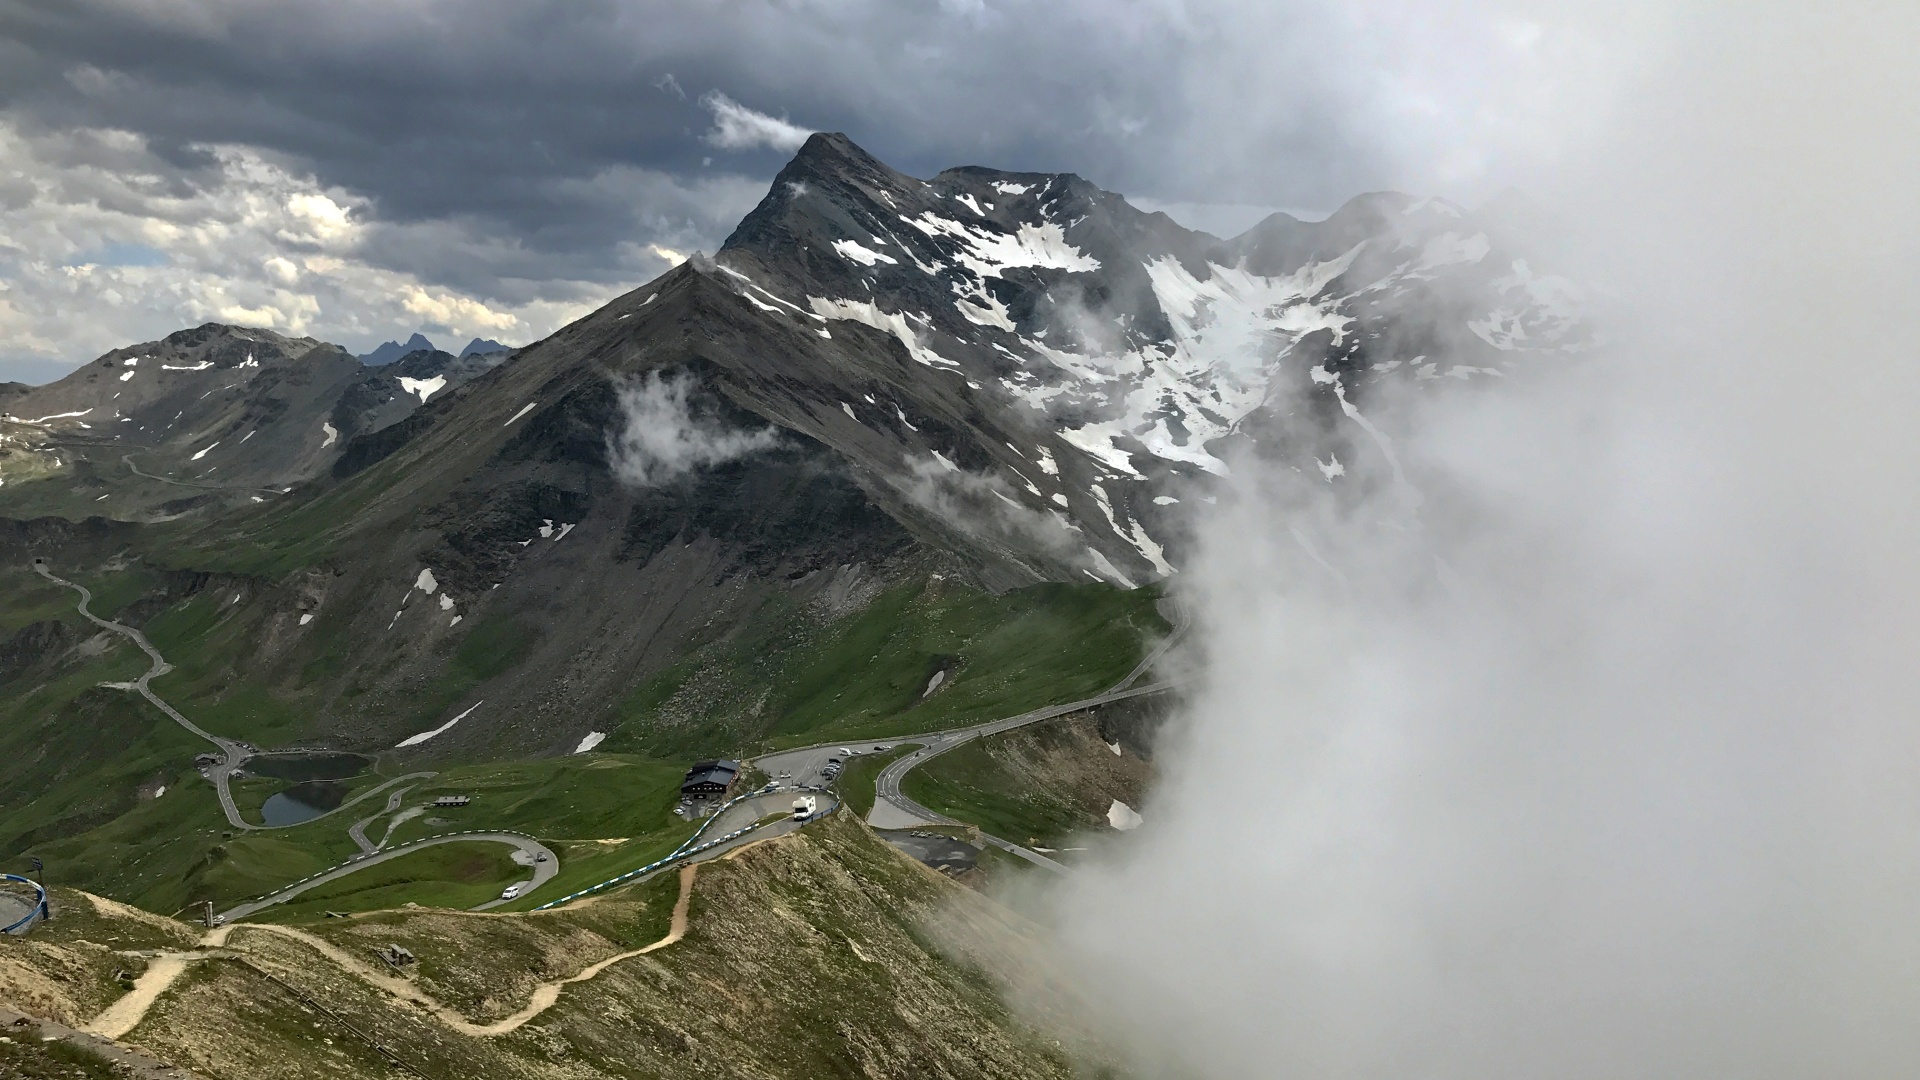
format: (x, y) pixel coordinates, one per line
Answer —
(359, 170)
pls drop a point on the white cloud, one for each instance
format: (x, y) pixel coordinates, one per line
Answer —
(449, 309)
(104, 243)
(666, 435)
(318, 217)
(282, 270)
(736, 127)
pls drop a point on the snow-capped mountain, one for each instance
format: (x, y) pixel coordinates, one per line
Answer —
(1128, 351)
(877, 380)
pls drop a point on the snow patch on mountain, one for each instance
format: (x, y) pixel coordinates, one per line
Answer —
(426, 388)
(862, 254)
(869, 313)
(416, 740)
(986, 252)
(1535, 311)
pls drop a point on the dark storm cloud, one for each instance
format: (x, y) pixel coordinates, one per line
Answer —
(536, 124)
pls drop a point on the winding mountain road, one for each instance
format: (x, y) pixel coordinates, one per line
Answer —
(357, 832)
(127, 459)
(544, 862)
(892, 809)
(232, 751)
(909, 813)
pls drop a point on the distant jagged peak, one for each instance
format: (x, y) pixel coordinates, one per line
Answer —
(389, 351)
(481, 346)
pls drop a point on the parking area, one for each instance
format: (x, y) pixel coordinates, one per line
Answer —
(932, 848)
(815, 765)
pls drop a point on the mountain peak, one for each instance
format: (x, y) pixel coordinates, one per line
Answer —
(389, 351)
(484, 345)
(832, 151)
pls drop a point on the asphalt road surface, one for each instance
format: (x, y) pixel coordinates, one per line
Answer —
(892, 809)
(543, 872)
(357, 832)
(232, 752)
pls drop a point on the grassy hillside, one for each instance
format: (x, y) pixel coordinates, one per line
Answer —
(813, 955)
(100, 784)
(602, 814)
(792, 683)
(1035, 785)
(455, 876)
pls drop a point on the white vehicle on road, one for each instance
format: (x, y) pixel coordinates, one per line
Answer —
(512, 890)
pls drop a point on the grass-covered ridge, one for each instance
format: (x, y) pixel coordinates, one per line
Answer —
(457, 875)
(792, 683)
(1034, 785)
(825, 953)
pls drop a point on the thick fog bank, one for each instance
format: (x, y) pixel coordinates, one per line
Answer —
(1595, 752)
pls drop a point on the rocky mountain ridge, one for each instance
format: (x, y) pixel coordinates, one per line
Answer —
(1008, 378)
(215, 408)
(1121, 356)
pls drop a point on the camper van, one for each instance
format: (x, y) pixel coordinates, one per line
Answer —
(803, 808)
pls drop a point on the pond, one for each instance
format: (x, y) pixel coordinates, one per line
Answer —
(301, 802)
(329, 765)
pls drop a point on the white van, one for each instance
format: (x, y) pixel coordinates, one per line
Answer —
(511, 891)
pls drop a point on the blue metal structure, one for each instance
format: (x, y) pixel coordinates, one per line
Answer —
(39, 906)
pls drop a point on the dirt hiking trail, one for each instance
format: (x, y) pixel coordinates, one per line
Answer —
(166, 968)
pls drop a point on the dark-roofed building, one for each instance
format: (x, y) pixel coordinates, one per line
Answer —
(709, 778)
